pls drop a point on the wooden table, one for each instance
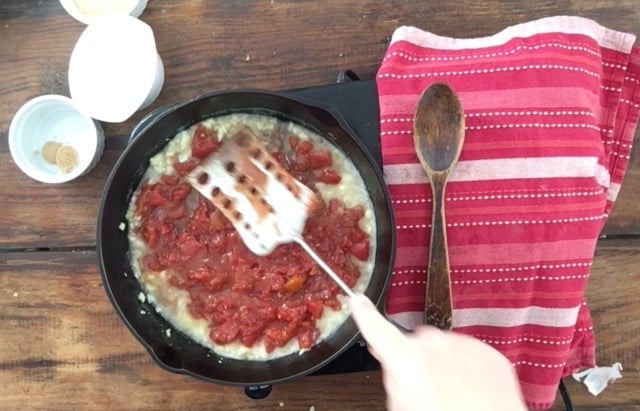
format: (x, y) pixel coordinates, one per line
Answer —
(61, 344)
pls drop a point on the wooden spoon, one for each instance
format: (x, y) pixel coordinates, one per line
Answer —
(438, 137)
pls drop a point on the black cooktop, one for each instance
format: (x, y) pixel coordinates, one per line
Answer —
(357, 101)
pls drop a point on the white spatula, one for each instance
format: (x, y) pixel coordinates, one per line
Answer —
(265, 204)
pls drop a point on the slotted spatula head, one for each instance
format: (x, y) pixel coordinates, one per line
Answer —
(265, 204)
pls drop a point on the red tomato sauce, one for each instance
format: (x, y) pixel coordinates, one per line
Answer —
(245, 297)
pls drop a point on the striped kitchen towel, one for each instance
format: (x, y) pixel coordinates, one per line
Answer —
(551, 108)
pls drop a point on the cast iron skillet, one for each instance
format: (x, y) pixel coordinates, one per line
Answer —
(173, 350)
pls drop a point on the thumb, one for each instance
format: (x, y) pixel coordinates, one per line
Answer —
(383, 337)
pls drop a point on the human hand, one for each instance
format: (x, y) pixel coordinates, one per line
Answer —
(437, 370)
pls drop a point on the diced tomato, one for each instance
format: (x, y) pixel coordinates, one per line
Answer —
(217, 242)
(315, 307)
(225, 333)
(278, 334)
(215, 281)
(269, 344)
(268, 284)
(151, 235)
(242, 283)
(307, 337)
(204, 142)
(301, 162)
(320, 159)
(150, 197)
(304, 147)
(354, 214)
(294, 141)
(360, 250)
(151, 262)
(292, 312)
(177, 212)
(249, 339)
(335, 207)
(199, 274)
(329, 176)
(200, 219)
(188, 245)
(182, 169)
(266, 312)
(333, 303)
(169, 180)
(165, 229)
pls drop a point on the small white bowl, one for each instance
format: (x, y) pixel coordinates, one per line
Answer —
(54, 118)
(86, 10)
(115, 69)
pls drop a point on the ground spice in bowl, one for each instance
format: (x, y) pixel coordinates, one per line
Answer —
(65, 157)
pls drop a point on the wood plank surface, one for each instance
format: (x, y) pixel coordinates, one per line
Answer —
(63, 347)
(217, 45)
(60, 336)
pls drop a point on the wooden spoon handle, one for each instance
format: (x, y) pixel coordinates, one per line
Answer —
(437, 305)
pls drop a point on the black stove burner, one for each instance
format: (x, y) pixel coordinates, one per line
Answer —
(357, 101)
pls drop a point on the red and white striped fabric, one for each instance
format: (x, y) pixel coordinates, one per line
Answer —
(551, 108)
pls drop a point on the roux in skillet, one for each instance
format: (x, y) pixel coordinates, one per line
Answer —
(200, 276)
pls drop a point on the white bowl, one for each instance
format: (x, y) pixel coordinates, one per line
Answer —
(86, 10)
(54, 118)
(115, 69)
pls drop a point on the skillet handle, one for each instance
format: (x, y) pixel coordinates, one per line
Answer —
(347, 75)
(383, 311)
(399, 327)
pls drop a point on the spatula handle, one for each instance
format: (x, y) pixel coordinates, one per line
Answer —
(325, 267)
(438, 306)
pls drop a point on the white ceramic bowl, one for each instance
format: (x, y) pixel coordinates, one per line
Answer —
(54, 118)
(86, 10)
(115, 69)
